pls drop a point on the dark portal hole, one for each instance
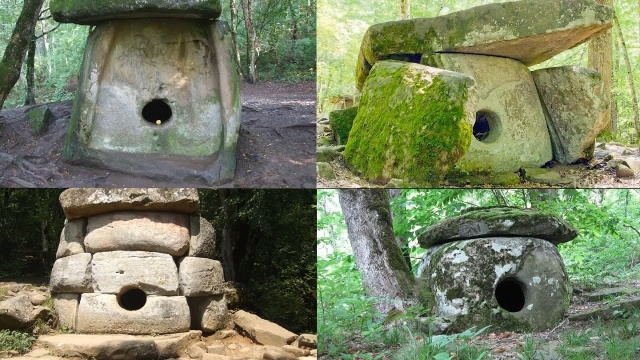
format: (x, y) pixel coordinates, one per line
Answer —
(481, 127)
(510, 295)
(156, 110)
(133, 299)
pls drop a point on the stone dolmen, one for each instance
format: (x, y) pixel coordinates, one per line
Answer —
(158, 93)
(453, 95)
(497, 266)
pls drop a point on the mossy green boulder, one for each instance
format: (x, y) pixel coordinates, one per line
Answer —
(341, 122)
(530, 31)
(510, 283)
(88, 12)
(39, 119)
(414, 122)
(499, 221)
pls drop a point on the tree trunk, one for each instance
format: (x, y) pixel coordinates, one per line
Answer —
(405, 9)
(632, 88)
(599, 58)
(234, 33)
(538, 196)
(378, 257)
(252, 43)
(23, 32)
(30, 98)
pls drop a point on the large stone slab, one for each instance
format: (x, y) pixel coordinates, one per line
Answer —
(509, 283)
(153, 273)
(498, 221)
(200, 277)
(413, 123)
(575, 104)
(530, 31)
(508, 104)
(101, 314)
(71, 274)
(208, 313)
(72, 238)
(66, 306)
(144, 231)
(92, 12)
(83, 202)
(158, 97)
(18, 313)
(263, 331)
(119, 346)
(203, 238)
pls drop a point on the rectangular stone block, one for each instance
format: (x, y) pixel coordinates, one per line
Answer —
(66, 306)
(71, 274)
(208, 313)
(72, 238)
(140, 230)
(102, 313)
(200, 277)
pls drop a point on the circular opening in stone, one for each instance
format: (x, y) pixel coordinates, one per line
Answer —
(133, 299)
(157, 112)
(510, 294)
(486, 127)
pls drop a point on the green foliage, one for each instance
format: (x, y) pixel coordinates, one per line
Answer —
(16, 340)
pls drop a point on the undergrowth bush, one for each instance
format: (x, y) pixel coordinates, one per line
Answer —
(16, 340)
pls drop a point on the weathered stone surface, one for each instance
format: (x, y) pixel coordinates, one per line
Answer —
(66, 306)
(508, 283)
(498, 221)
(550, 177)
(153, 273)
(309, 341)
(125, 347)
(83, 202)
(510, 29)
(263, 331)
(506, 95)
(39, 119)
(278, 354)
(414, 123)
(92, 12)
(610, 311)
(325, 171)
(575, 105)
(18, 313)
(140, 230)
(72, 238)
(608, 293)
(208, 313)
(341, 122)
(200, 277)
(215, 357)
(203, 238)
(71, 274)
(136, 73)
(101, 313)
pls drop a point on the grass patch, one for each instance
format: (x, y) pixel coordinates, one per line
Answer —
(16, 341)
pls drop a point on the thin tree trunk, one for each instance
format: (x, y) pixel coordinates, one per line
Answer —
(234, 33)
(226, 243)
(11, 63)
(252, 43)
(632, 88)
(378, 258)
(405, 9)
(30, 98)
(599, 58)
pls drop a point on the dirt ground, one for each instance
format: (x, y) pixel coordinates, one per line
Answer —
(276, 147)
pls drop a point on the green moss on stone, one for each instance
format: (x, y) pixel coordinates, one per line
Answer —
(411, 124)
(341, 122)
(39, 119)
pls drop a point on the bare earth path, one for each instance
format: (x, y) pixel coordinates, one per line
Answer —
(276, 148)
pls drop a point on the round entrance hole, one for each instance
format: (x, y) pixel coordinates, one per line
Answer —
(510, 294)
(133, 299)
(157, 112)
(486, 126)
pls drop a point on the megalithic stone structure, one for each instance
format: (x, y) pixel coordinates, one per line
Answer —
(137, 261)
(158, 93)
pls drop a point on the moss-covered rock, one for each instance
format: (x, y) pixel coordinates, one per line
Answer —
(341, 122)
(39, 119)
(508, 283)
(91, 11)
(499, 221)
(413, 123)
(546, 176)
(513, 29)
(575, 103)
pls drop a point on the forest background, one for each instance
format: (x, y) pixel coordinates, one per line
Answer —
(342, 24)
(279, 46)
(270, 234)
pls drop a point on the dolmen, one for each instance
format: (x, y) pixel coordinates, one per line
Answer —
(158, 93)
(453, 95)
(137, 261)
(497, 266)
